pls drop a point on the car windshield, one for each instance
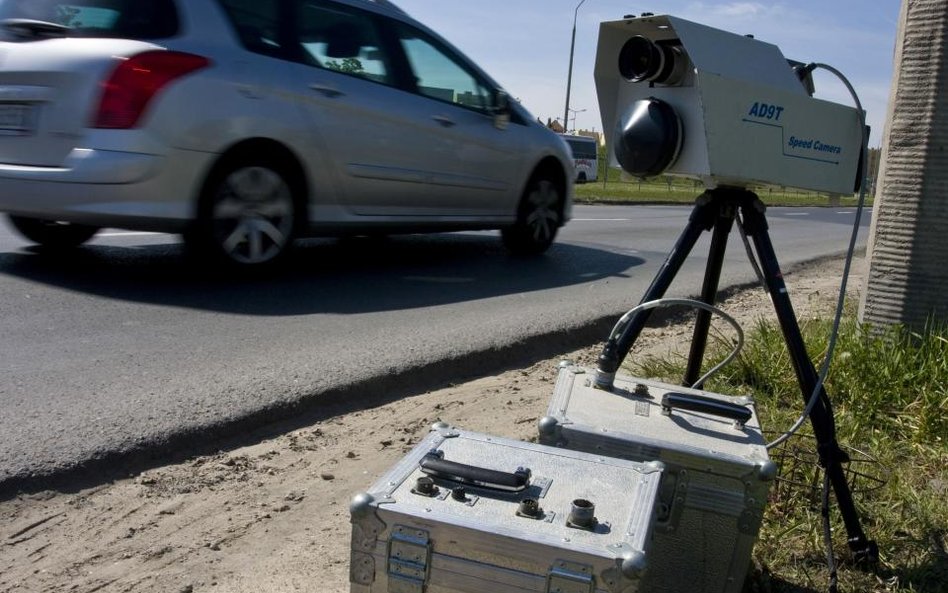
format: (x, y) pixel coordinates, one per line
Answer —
(126, 19)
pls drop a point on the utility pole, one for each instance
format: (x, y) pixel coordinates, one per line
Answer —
(907, 250)
(569, 75)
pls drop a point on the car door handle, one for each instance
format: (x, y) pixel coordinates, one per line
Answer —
(328, 91)
(444, 120)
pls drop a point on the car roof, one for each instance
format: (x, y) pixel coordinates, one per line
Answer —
(387, 4)
(382, 6)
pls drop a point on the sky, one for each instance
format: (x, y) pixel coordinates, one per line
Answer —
(525, 44)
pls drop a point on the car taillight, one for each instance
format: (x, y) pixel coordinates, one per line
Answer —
(135, 82)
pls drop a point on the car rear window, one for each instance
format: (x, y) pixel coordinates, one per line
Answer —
(124, 19)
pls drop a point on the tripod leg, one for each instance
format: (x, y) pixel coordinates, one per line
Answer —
(709, 291)
(821, 416)
(702, 219)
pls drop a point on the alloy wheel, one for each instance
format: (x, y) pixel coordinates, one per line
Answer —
(542, 215)
(253, 215)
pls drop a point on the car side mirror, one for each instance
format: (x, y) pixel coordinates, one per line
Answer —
(501, 110)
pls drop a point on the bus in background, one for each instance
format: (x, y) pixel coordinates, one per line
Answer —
(585, 156)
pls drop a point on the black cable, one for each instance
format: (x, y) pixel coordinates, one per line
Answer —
(829, 456)
(837, 318)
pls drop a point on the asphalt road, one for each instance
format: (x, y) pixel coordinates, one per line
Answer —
(122, 353)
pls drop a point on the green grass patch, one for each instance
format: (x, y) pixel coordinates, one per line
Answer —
(890, 394)
(677, 190)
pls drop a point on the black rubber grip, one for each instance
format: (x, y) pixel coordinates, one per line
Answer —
(437, 467)
(706, 405)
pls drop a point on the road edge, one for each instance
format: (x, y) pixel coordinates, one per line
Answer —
(107, 466)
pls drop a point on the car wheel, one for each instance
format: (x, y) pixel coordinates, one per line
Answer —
(581, 179)
(248, 214)
(53, 234)
(538, 218)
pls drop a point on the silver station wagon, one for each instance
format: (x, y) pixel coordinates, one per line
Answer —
(244, 124)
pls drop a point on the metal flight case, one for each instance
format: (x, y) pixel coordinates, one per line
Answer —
(717, 470)
(464, 512)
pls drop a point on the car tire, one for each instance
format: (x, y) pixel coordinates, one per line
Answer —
(581, 179)
(538, 218)
(52, 234)
(248, 215)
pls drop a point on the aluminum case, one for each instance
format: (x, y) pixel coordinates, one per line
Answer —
(718, 472)
(446, 535)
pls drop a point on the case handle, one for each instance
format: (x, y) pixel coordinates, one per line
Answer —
(698, 403)
(434, 464)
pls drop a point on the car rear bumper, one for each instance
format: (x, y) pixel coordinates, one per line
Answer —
(109, 188)
(87, 165)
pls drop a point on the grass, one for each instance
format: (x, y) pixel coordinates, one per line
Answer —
(890, 394)
(684, 191)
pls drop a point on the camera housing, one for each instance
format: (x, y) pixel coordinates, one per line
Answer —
(681, 98)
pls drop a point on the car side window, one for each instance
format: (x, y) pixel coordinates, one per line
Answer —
(441, 75)
(257, 24)
(342, 39)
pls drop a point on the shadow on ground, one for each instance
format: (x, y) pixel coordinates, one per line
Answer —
(321, 276)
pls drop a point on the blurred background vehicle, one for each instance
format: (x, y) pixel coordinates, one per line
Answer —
(585, 152)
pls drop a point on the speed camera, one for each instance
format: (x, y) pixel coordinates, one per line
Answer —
(681, 98)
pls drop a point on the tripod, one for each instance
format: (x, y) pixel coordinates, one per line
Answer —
(717, 209)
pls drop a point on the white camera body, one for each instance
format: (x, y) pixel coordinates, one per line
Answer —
(743, 115)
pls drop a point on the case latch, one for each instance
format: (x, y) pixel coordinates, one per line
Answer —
(409, 554)
(570, 577)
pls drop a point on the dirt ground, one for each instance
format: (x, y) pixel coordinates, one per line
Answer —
(274, 516)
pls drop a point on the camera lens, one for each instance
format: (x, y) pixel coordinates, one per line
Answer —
(649, 138)
(641, 59)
